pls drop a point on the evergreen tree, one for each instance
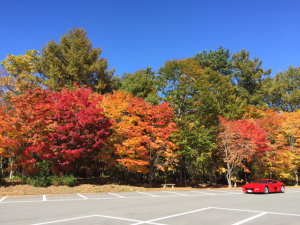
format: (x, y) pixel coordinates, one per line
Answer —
(218, 60)
(283, 91)
(248, 77)
(72, 60)
(141, 84)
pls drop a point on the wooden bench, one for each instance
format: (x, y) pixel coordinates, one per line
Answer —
(165, 185)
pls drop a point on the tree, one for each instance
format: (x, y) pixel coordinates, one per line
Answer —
(239, 141)
(24, 126)
(80, 130)
(290, 135)
(282, 91)
(248, 77)
(199, 97)
(218, 60)
(115, 107)
(141, 133)
(141, 84)
(74, 60)
(148, 145)
(18, 74)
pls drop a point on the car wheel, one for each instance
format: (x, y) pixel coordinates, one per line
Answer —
(266, 190)
(282, 190)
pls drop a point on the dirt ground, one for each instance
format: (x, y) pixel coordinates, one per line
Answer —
(14, 189)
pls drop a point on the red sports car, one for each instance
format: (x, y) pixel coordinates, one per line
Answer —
(264, 186)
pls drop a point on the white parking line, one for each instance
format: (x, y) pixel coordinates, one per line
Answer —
(174, 193)
(161, 196)
(167, 217)
(244, 210)
(146, 193)
(82, 196)
(116, 195)
(226, 192)
(44, 198)
(251, 218)
(202, 192)
(2, 199)
(110, 217)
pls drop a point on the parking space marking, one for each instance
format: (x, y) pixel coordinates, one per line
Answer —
(245, 210)
(146, 193)
(201, 192)
(116, 195)
(250, 218)
(175, 215)
(109, 217)
(2, 199)
(174, 193)
(82, 196)
(226, 192)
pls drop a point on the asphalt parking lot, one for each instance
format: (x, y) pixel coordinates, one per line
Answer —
(157, 207)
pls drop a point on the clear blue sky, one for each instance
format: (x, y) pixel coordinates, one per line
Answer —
(134, 34)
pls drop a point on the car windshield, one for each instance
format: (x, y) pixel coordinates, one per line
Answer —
(260, 181)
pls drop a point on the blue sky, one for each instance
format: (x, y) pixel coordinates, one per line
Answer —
(134, 34)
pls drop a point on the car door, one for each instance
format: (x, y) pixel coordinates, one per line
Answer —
(271, 186)
(276, 186)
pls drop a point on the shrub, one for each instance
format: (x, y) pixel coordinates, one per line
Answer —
(55, 180)
(69, 180)
(18, 178)
(39, 181)
(41, 178)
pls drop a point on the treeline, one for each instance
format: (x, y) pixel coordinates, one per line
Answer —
(213, 117)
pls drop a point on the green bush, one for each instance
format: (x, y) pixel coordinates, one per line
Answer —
(68, 180)
(19, 178)
(39, 181)
(55, 180)
(41, 178)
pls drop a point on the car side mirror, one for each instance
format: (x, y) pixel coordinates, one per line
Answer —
(250, 181)
(271, 182)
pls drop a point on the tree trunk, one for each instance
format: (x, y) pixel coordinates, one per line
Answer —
(217, 177)
(126, 175)
(296, 177)
(234, 181)
(203, 173)
(210, 175)
(246, 180)
(11, 162)
(228, 175)
(116, 174)
(184, 169)
(181, 173)
(150, 177)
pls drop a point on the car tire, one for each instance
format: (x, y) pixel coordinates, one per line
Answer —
(282, 189)
(266, 190)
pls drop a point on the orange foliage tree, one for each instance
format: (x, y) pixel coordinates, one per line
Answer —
(25, 124)
(141, 138)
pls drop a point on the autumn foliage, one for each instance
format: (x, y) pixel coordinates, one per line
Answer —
(79, 129)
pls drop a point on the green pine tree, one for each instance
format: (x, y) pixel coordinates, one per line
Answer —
(74, 60)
